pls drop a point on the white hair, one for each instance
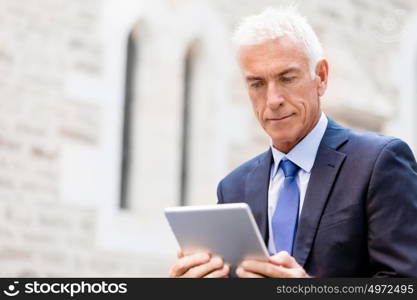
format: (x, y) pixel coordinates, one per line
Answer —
(274, 23)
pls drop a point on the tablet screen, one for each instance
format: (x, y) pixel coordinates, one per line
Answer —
(228, 230)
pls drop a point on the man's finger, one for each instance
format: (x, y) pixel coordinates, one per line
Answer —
(282, 258)
(202, 270)
(242, 273)
(187, 262)
(222, 273)
(266, 269)
(180, 254)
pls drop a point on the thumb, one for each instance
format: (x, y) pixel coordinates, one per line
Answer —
(180, 254)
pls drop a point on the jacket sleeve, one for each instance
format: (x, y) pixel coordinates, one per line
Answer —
(392, 212)
(219, 193)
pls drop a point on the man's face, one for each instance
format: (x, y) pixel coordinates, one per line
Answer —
(285, 98)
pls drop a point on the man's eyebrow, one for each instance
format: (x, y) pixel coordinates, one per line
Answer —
(253, 78)
(282, 73)
(289, 70)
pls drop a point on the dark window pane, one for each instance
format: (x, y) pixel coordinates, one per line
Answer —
(185, 140)
(130, 80)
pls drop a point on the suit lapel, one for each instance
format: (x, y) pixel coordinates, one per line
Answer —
(326, 167)
(256, 192)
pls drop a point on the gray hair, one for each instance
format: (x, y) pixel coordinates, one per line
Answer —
(274, 23)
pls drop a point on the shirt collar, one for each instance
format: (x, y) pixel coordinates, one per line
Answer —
(304, 153)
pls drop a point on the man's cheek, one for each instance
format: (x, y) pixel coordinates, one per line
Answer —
(259, 114)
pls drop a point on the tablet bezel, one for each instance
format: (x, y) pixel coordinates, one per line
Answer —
(250, 239)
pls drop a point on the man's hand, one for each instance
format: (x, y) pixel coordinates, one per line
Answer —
(279, 266)
(199, 265)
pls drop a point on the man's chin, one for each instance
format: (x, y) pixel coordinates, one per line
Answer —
(283, 136)
(282, 142)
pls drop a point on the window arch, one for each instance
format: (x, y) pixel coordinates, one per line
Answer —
(188, 83)
(130, 93)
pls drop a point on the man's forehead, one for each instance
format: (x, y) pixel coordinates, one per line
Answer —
(294, 68)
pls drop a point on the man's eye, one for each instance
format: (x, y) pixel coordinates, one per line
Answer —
(287, 79)
(256, 84)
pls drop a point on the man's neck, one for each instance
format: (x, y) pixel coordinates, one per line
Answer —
(286, 147)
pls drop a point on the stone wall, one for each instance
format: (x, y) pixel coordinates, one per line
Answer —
(44, 44)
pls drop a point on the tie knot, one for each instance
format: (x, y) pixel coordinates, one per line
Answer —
(290, 169)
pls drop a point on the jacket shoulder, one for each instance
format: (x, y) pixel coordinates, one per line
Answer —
(240, 172)
(370, 142)
(369, 147)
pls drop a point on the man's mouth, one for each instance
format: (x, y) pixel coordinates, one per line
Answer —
(280, 118)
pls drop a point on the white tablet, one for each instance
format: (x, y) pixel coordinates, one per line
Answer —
(228, 230)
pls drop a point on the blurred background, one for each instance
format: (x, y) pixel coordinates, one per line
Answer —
(111, 110)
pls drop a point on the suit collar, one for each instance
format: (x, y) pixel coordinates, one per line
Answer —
(335, 135)
(326, 167)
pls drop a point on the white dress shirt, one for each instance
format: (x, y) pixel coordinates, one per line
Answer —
(303, 155)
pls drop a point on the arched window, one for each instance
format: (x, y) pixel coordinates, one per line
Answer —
(189, 62)
(129, 98)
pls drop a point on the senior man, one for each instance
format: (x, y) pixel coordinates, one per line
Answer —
(329, 201)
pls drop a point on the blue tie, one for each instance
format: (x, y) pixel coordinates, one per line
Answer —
(285, 218)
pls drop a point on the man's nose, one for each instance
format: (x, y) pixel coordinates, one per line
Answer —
(274, 97)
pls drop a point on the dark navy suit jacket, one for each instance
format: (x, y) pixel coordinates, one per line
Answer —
(359, 216)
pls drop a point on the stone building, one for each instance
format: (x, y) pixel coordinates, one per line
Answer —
(112, 110)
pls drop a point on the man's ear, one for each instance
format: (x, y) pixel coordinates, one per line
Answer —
(322, 72)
